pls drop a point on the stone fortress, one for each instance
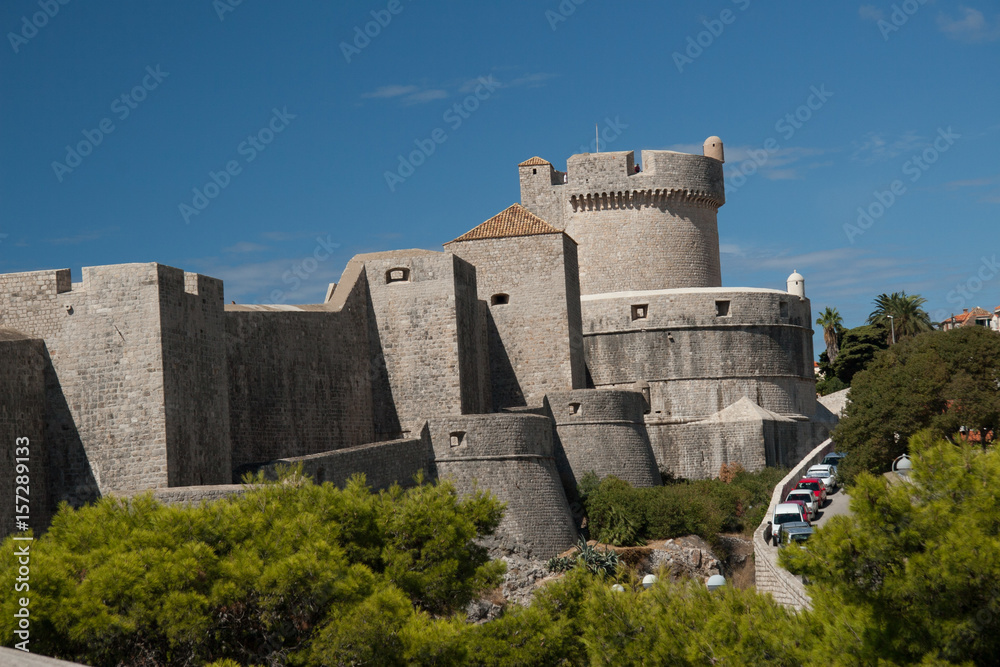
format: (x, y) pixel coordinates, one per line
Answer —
(584, 329)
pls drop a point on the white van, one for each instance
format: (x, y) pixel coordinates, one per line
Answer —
(785, 513)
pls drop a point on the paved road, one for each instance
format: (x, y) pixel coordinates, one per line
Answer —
(836, 505)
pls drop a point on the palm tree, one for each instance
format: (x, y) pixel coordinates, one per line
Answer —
(832, 322)
(905, 311)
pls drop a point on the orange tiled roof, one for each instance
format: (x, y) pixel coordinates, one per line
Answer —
(534, 162)
(512, 221)
(973, 314)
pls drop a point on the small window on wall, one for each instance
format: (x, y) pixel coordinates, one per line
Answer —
(500, 299)
(783, 308)
(574, 408)
(722, 309)
(457, 438)
(397, 275)
(640, 311)
(534, 171)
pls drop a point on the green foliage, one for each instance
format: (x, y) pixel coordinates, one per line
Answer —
(830, 385)
(914, 572)
(858, 348)
(624, 516)
(908, 318)
(255, 578)
(940, 380)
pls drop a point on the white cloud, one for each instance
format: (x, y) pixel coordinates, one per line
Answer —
(423, 96)
(786, 163)
(878, 147)
(971, 27)
(391, 91)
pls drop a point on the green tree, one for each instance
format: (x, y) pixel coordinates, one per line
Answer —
(901, 315)
(940, 380)
(833, 326)
(913, 573)
(858, 347)
(259, 578)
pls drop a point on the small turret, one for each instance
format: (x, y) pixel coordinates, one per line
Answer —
(797, 285)
(713, 148)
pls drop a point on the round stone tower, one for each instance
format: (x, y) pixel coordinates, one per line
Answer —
(639, 228)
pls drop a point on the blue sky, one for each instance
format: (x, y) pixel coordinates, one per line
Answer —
(290, 117)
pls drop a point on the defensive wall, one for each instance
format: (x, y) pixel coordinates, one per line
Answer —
(602, 431)
(427, 338)
(22, 431)
(530, 288)
(299, 377)
(785, 587)
(382, 463)
(512, 456)
(108, 426)
(655, 229)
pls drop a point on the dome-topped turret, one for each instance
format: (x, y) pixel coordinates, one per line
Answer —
(797, 285)
(713, 148)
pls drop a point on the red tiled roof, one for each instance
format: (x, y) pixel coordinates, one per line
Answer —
(512, 221)
(534, 162)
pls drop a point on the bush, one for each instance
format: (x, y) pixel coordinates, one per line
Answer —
(286, 571)
(624, 516)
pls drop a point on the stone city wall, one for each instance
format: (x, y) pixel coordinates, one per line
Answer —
(421, 337)
(602, 431)
(511, 455)
(300, 381)
(106, 420)
(786, 588)
(701, 350)
(382, 463)
(534, 314)
(22, 424)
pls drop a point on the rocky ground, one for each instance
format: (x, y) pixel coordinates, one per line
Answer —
(687, 557)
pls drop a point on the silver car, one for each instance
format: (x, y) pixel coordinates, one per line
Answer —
(825, 473)
(806, 496)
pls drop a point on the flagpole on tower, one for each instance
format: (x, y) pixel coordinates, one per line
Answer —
(597, 139)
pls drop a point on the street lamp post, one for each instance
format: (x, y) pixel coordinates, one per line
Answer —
(892, 325)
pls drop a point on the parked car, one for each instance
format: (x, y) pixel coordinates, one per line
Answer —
(826, 474)
(806, 496)
(786, 513)
(794, 532)
(814, 485)
(833, 458)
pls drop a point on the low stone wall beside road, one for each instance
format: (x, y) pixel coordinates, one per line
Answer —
(785, 587)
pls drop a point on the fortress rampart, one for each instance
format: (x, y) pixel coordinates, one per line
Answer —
(470, 364)
(108, 387)
(602, 431)
(511, 455)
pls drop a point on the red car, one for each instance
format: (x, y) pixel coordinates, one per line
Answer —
(804, 509)
(815, 485)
